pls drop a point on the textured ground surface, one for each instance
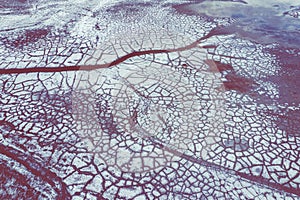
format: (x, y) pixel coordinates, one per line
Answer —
(149, 100)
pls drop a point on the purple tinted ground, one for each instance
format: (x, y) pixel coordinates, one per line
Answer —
(288, 86)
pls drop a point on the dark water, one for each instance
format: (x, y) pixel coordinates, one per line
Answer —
(265, 23)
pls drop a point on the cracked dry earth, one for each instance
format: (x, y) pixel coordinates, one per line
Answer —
(145, 100)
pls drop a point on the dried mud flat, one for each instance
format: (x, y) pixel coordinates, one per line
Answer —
(149, 100)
